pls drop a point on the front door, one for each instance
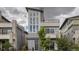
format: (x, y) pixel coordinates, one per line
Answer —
(31, 44)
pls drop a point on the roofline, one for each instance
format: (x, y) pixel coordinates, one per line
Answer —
(5, 18)
(28, 8)
(64, 23)
(67, 20)
(10, 22)
(26, 32)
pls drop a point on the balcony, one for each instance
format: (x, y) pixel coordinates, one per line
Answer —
(50, 35)
(5, 36)
(5, 25)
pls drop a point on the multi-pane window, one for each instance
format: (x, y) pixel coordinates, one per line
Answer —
(5, 30)
(37, 27)
(33, 20)
(30, 28)
(0, 31)
(37, 20)
(52, 31)
(9, 31)
(49, 30)
(30, 14)
(33, 14)
(33, 28)
(30, 20)
(37, 13)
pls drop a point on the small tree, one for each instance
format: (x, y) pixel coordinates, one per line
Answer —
(44, 43)
(6, 45)
(64, 44)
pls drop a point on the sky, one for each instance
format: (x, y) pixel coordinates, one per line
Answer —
(59, 13)
(15, 13)
(20, 13)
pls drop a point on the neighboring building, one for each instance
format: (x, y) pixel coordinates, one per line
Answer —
(26, 41)
(52, 31)
(70, 28)
(34, 18)
(12, 32)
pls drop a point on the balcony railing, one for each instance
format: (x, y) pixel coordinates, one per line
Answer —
(51, 35)
(5, 36)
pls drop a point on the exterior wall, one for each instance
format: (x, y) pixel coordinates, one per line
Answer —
(75, 33)
(15, 34)
(52, 32)
(71, 29)
(52, 28)
(26, 40)
(19, 36)
(34, 20)
(33, 41)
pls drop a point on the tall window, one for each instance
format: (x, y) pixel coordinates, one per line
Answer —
(33, 20)
(37, 20)
(5, 30)
(33, 28)
(36, 27)
(37, 13)
(30, 14)
(33, 14)
(0, 31)
(30, 28)
(30, 20)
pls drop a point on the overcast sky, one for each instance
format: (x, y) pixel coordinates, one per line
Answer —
(15, 13)
(20, 14)
(60, 13)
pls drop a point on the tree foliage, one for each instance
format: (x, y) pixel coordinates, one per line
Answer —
(44, 42)
(6, 45)
(65, 44)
